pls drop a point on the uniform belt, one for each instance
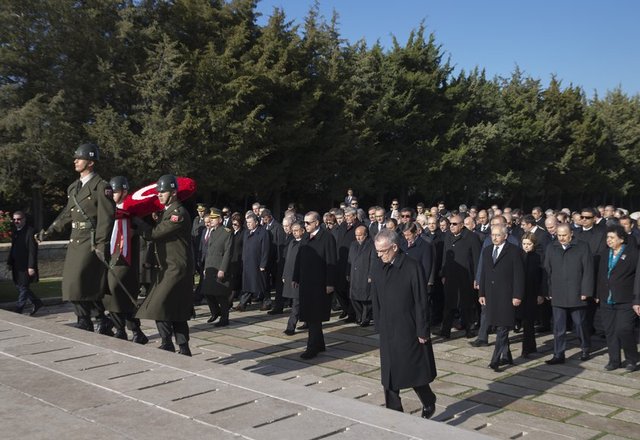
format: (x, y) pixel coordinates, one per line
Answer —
(81, 225)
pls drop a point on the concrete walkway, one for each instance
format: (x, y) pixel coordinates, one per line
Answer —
(530, 400)
(59, 382)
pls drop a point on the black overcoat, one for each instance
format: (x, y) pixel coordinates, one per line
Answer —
(314, 271)
(623, 276)
(533, 286)
(361, 257)
(344, 235)
(288, 291)
(500, 282)
(255, 254)
(569, 273)
(169, 297)
(23, 255)
(401, 315)
(423, 252)
(218, 256)
(235, 262)
(459, 261)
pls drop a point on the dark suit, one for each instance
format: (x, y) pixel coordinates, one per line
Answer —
(255, 255)
(436, 300)
(596, 238)
(218, 255)
(460, 258)
(500, 282)
(616, 294)
(483, 231)
(374, 228)
(534, 285)
(314, 271)
(361, 257)
(22, 257)
(344, 235)
(569, 276)
(400, 307)
(274, 267)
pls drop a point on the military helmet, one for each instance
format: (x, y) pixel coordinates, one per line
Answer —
(166, 183)
(119, 183)
(87, 152)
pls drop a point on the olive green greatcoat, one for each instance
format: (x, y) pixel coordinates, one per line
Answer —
(169, 297)
(84, 277)
(218, 258)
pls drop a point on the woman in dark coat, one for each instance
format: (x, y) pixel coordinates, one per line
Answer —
(235, 263)
(617, 297)
(533, 295)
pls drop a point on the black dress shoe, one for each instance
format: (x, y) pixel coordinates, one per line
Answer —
(612, 366)
(428, 411)
(265, 307)
(365, 323)
(139, 337)
(36, 307)
(289, 332)
(184, 349)
(121, 334)
(167, 346)
(631, 366)
(275, 312)
(554, 361)
(584, 356)
(479, 343)
(221, 323)
(470, 334)
(308, 354)
(443, 335)
(303, 327)
(505, 362)
(213, 318)
(495, 367)
(343, 315)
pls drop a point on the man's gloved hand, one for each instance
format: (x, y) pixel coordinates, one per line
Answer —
(42, 236)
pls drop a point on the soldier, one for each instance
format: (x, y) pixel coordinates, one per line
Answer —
(90, 211)
(123, 278)
(216, 267)
(169, 299)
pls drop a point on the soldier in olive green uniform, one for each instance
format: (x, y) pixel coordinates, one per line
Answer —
(216, 265)
(90, 211)
(169, 300)
(123, 277)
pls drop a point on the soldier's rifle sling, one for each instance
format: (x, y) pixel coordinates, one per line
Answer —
(109, 267)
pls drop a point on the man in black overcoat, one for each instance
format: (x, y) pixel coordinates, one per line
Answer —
(274, 266)
(23, 262)
(401, 316)
(460, 257)
(314, 274)
(569, 267)
(595, 237)
(255, 257)
(361, 257)
(501, 288)
(345, 234)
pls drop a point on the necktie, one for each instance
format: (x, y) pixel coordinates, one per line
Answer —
(78, 186)
(495, 253)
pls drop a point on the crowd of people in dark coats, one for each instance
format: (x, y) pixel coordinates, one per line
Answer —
(485, 270)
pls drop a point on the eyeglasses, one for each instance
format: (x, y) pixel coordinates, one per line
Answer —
(454, 224)
(310, 223)
(354, 203)
(18, 219)
(406, 216)
(384, 251)
(235, 224)
(586, 217)
(394, 204)
(225, 212)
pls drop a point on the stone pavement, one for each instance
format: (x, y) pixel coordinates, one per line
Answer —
(530, 400)
(60, 382)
